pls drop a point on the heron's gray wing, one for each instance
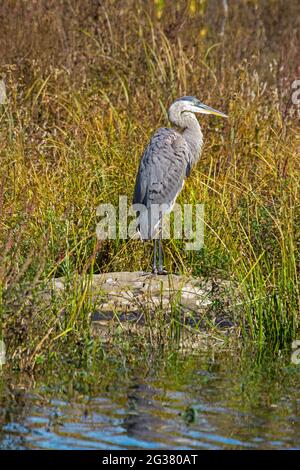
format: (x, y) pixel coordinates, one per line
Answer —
(163, 167)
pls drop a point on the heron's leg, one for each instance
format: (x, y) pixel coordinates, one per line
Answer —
(161, 269)
(154, 268)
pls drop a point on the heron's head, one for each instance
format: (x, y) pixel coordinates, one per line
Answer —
(190, 104)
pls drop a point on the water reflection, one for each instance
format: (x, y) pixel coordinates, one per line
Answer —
(203, 402)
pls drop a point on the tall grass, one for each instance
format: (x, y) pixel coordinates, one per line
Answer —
(87, 84)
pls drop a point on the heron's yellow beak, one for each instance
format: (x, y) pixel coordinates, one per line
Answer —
(204, 109)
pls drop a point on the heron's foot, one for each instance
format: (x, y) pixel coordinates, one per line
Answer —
(162, 272)
(159, 271)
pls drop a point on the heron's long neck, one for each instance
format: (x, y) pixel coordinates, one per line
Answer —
(193, 135)
(190, 129)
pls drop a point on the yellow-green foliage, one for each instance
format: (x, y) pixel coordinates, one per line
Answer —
(87, 84)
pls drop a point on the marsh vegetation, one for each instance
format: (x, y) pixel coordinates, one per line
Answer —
(87, 83)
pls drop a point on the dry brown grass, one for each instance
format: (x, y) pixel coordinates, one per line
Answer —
(88, 82)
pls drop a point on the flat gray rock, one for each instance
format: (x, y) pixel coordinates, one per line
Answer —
(130, 299)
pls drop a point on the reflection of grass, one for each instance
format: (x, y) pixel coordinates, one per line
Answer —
(72, 141)
(233, 394)
(239, 380)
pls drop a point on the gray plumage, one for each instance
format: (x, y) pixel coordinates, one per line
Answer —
(164, 166)
(167, 161)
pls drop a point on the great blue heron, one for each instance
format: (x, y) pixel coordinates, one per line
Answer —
(166, 162)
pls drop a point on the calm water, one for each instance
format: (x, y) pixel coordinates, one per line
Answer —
(210, 401)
